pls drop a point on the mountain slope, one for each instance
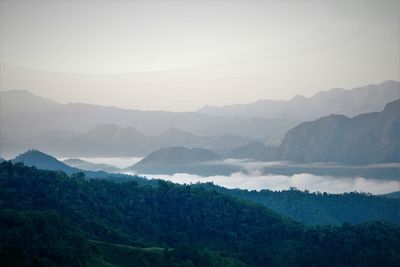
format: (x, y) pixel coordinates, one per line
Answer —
(367, 138)
(23, 101)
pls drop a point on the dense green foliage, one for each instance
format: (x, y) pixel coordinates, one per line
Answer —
(183, 255)
(27, 236)
(320, 208)
(197, 227)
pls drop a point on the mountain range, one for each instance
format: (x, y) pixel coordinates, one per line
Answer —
(47, 115)
(353, 102)
(110, 140)
(57, 126)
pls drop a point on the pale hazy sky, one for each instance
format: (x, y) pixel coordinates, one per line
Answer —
(219, 52)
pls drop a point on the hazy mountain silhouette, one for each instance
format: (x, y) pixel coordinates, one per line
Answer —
(89, 166)
(41, 160)
(335, 101)
(52, 126)
(255, 151)
(55, 121)
(180, 155)
(79, 117)
(367, 138)
(111, 140)
(23, 101)
(173, 160)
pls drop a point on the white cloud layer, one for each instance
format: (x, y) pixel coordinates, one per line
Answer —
(303, 181)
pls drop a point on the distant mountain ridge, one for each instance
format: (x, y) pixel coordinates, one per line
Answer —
(367, 138)
(85, 165)
(54, 125)
(112, 140)
(79, 117)
(254, 150)
(335, 101)
(52, 122)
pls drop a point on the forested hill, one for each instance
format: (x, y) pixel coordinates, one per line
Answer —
(50, 218)
(320, 208)
(41, 160)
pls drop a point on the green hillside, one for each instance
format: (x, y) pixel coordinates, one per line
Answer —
(49, 219)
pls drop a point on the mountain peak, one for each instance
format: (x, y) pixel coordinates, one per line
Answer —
(34, 155)
(41, 160)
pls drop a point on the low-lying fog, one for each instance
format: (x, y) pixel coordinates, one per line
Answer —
(301, 181)
(254, 177)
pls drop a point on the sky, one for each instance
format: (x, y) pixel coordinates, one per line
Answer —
(181, 55)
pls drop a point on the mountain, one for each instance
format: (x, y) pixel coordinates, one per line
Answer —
(254, 150)
(353, 102)
(44, 161)
(45, 213)
(173, 160)
(41, 160)
(367, 138)
(89, 166)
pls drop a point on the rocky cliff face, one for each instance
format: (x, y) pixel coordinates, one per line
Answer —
(367, 138)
